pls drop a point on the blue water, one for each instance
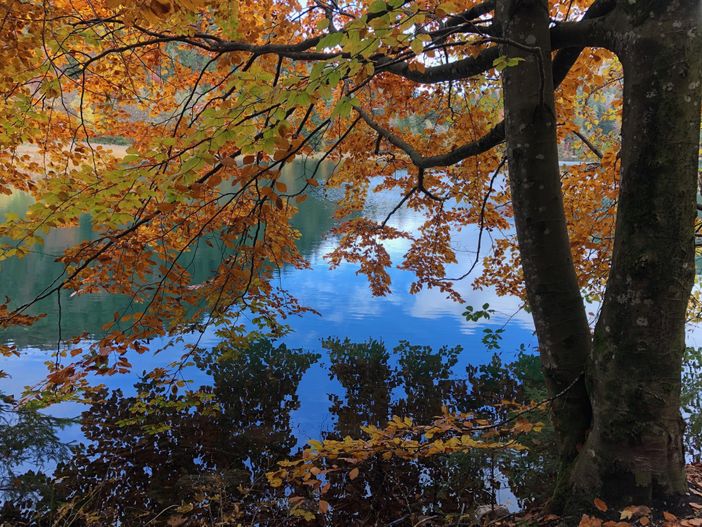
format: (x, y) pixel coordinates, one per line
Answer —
(346, 308)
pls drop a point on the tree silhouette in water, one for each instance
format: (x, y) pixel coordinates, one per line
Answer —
(172, 462)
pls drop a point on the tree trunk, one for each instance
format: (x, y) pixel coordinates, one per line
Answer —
(551, 283)
(634, 453)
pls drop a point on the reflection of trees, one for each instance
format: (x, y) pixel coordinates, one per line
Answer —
(207, 461)
(28, 438)
(211, 457)
(387, 490)
(24, 278)
(530, 474)
(368, 381)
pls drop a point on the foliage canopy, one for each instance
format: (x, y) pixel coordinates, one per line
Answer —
(215, 97)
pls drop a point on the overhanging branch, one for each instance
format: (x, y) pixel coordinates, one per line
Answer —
(485, 143)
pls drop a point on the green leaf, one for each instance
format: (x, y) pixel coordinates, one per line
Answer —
(417, 46)
(330, 40)
(377, 6)
(502, 62)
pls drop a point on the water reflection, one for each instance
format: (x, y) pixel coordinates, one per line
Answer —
(205, 464)
(24, 278)
(263, 403)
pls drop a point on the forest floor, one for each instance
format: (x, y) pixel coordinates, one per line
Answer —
(687, 513)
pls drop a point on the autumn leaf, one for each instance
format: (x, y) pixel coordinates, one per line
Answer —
(589, 521)
(600, 505)
(634, 511)
(669, 517)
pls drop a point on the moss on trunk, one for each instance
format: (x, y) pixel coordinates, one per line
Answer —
(634, 452)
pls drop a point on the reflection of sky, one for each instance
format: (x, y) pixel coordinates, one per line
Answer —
(347, 309)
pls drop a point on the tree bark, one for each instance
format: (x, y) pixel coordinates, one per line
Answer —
(551, 283)
(634, 453)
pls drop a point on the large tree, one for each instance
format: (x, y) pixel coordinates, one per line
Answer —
(215, 97)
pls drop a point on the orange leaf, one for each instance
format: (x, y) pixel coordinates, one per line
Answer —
(323, 506)
(601, 505)
(669, 517)
(353, 474)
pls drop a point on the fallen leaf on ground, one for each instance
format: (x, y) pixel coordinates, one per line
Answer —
(589, 521)
(634, 511)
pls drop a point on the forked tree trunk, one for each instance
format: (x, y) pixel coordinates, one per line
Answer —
(551, 284)
(634, 453)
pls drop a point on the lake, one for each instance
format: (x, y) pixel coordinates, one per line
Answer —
(346, 307)
(361, 360)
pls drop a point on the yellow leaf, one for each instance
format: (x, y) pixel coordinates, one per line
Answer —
(634, 511)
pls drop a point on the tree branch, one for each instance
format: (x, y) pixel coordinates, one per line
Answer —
(485, 143)
(461, 69)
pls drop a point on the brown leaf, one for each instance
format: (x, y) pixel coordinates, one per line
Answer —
(669, 517)
(601, 505)
(634, 511)
(589, 521)
(353, 474)
(176, 520)
(323, 506)
(644, 521)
